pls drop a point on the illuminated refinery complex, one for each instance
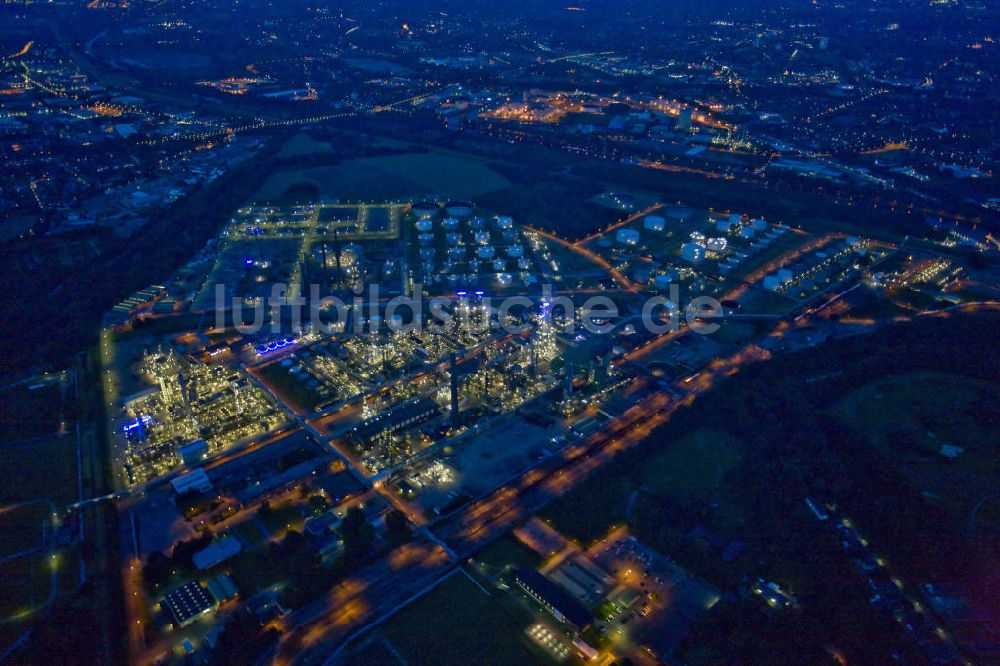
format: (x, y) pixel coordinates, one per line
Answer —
(428, 333)
(423, 408)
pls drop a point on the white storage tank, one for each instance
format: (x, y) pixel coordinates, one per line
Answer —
(515, 251)
(462, 209)
(627, 236)
(716, 244)
(692, 252)
(654, 223)
(426, 209)
(486, 252)
(425, 224)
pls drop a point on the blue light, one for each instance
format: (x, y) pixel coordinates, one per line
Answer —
(463, 294)
(480, 292)
(274, 346)
(144, 419)
(249, 261)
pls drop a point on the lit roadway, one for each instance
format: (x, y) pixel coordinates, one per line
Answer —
(587, 254)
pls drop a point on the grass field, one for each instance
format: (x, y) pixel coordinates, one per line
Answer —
(693, 467)
(734, 333)
(283, 517)
(505, 551)
(758, 301)
(249, 531)
(33, 412)
(392, 177)
(922, 410)
(22, 478)
(22, 528)
(458, 624)
(909, 418)
(25, 584)
(302, 144)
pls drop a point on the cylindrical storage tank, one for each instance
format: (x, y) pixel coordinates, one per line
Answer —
(456, 252)
(654, 223)
(524, 263)
(477, 223)
(692, 252)
(662, 282)
(486, 252)
(760, 224)
(716, 244)
(453, 238)
(424, 224)
(747, 232)
(697, 237)
(450, 223)
(425, 239)
(504, 222)
(427, 253)
(627, 236)
(504, 279)
(723, 226)
(785, 275)
(459, 209)
(515, 251)
(426, 209)
(499, 265)
(482, 237)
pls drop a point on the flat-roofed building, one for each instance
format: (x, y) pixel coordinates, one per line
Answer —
(186, 603)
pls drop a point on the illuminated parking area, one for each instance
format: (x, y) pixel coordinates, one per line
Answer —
(549, 640)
